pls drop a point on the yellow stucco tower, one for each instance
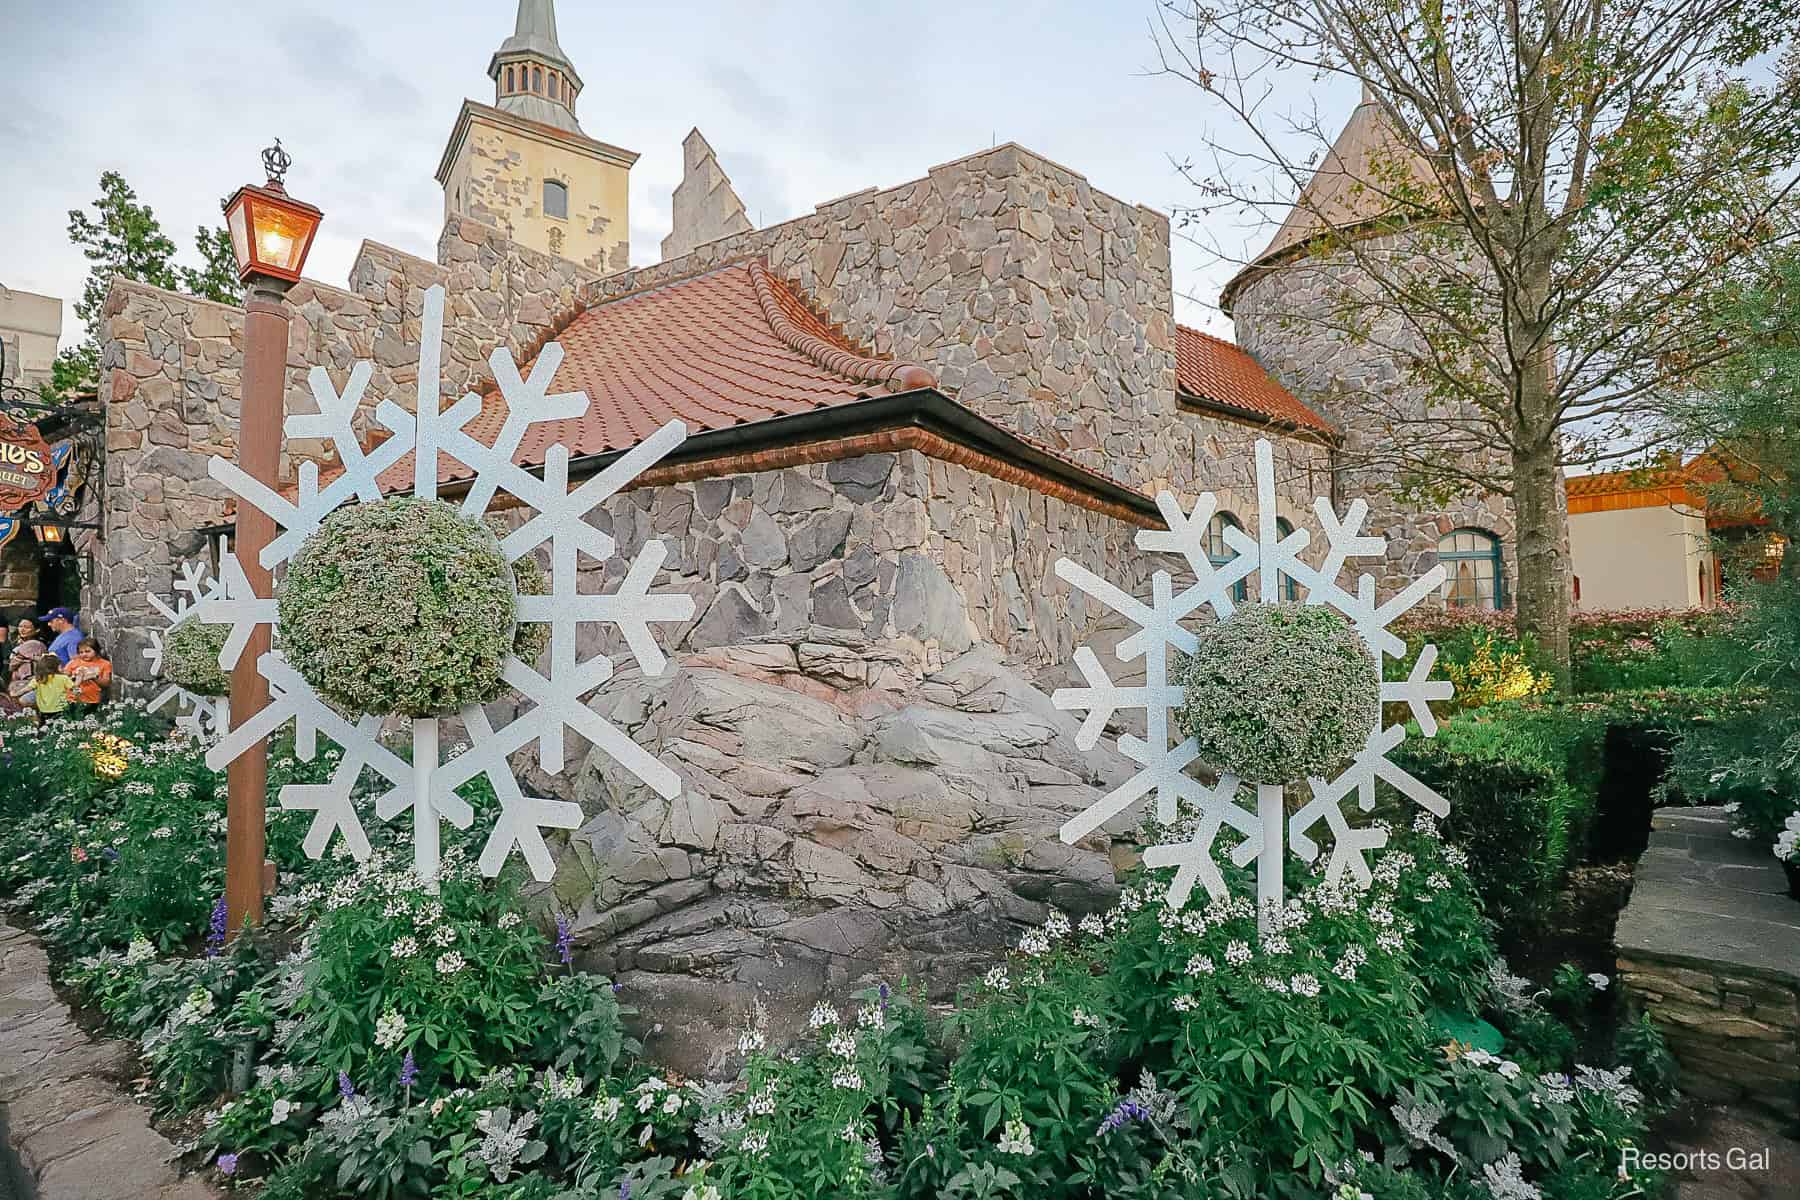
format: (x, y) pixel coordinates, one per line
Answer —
(523, 163)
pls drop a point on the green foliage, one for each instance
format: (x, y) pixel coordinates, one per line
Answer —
(379, 1041)
(123, 239)
(1277, 693)
(402, 606)
(531, 638)
(191, 652)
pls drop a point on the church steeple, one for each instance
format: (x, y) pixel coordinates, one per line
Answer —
(532, 76)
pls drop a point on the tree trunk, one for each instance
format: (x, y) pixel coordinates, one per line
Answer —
(1543, 592)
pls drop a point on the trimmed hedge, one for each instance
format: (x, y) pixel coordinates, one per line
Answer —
(1530, 790)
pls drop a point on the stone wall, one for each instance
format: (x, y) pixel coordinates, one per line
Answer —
(1291, 320)
(1037, 300)
(170, 368)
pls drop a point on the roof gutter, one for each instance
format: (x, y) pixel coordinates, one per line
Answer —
(925, 408)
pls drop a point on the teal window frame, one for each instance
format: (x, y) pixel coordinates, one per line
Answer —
(1487, 549)
(1220, 555)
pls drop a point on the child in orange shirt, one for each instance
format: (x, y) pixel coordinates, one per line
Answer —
(90, 672)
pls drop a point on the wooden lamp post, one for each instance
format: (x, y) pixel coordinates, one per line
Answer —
(271, 234)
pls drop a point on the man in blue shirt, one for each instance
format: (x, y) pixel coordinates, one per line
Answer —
(68, 638)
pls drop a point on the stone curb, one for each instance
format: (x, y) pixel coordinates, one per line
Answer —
(72, 1132)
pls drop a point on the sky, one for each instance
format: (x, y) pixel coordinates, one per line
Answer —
(803, 103)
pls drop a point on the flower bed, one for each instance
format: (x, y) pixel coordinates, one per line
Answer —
(378, 1041)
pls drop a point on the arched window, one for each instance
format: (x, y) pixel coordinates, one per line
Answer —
(1472, 558)
(1220, 553)
(555, 87)
(1287, 588)
(537, 80)
(556, 199)
(509, 81)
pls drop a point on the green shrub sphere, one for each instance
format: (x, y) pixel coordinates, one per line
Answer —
(191, 657)
(531, 638)
(1277, 693)
(402, 607)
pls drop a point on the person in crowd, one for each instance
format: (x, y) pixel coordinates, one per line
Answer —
(27, 649)
(67, 636)
(53, 688)
(91, 672)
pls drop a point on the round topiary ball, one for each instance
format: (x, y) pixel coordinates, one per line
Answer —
(1277, 693)
(191, 658)
(403, 606)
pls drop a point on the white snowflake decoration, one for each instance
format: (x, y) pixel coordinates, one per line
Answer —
(201, 717)
(426, 785)
(1163, 768)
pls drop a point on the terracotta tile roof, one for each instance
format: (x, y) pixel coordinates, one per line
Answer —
(1606, 483)
(730, 347)
(1212, 369)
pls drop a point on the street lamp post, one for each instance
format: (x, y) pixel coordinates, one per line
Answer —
(270, 235)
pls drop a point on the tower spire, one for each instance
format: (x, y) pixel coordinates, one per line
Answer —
(532, 76)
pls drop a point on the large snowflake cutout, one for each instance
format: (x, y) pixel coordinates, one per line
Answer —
(1181, 801)
(425, 782)
(201, 717)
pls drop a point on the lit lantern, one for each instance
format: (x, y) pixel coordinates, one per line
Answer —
(271, 232)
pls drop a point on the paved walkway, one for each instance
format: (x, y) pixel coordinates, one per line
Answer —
(76, 1136)
(1710, 942)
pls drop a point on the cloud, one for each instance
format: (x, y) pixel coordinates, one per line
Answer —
(331, 54)
(747, 95)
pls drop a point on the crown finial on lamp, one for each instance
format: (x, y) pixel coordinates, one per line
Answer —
(276, 162)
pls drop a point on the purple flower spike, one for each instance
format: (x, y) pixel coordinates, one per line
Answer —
(624, 1189)
(215, 933)
(563, 950)
(1124, 1111)
(345, 1088)
(228, 1164)
(409, 1070)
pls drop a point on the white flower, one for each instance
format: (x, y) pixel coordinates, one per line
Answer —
(280, 1111)
(404, 947)
(646, 1102)
(161, 832)
(449, 963)
(1237, 953)
(843, 1045)
(822, 1015)
(870, 1016)
(1015, 1138)
(1034, 942)
(1509, 1069)
(139, 951)
(1506, 1179)
(751, 1041)
(848, 1080)
(1437, 881)
(390, 1029)
(1081, 1018)
(755, 1144)
(1056, 926)
(1304, 985)
(997, 980)
(1599, 982)
(671, 1104)
(509, 920)
(1275, 944)
(443, 936)
(1182, 1004)
(1092, 925)
(606, 1108)
(1200, 964)
(1390, 941)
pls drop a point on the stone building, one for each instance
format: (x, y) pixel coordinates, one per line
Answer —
(524, 164)
(904, 407)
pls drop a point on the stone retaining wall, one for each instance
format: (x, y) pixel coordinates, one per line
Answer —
(1710, 945)
(71, 1130)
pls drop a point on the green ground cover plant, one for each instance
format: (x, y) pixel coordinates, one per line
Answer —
(375, 1040)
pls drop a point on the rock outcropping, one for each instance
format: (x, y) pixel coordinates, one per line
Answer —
(828, 834)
